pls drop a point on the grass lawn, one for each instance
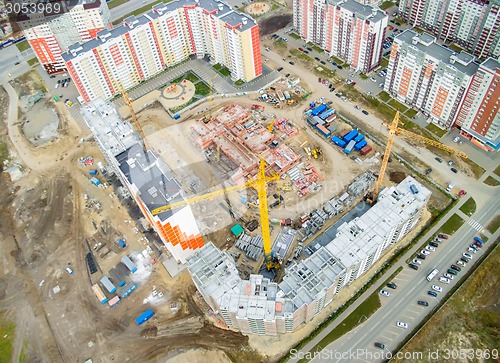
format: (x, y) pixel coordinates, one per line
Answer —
(476, 169)
(418, 30)
(114, 3)
(363, 76)
(202, 89)
(384, 96)
(360, 314)
(468, 321)
(436, 130)
(411, 113)
(22, 46)
(337, 60)
(452, 224)
(4, 154)
(384, 63)
(239, 82)
(7, 334)
(178, 108)
(469, 207)
(280, 45)
(294, 35)
(301, 55)
(323, 72)
(192, 77)
(315, 47)
(398, 105)
(139, 11)
(497, 171)
(386, 5)
(32, 62)
(493, 225)
(222, 70)
(491, 181)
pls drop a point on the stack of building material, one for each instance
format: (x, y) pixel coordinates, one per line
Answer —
(252, 246)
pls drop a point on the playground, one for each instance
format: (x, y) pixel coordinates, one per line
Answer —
(258, 8)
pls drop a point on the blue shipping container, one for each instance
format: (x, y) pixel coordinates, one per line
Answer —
(338, 141)
(127, 289)
(108, 284)
(145, 316)
(177, 116)
(359, 138)
(130, 265)
(318, 110)
(327, 114)
(351, 135)
(122, 243)
(309, 112)
(349, 147)
(360, 145)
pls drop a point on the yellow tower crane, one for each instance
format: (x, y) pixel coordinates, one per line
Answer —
(128, 101)
(395, 130)
(260, 185)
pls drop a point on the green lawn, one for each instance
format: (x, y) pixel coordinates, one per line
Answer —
(32, 62)
(491, 181)
(436, 130)
(7, 334)
(22, 46)
(493, 225)
(452, 224)
(476, 169)
(323, 72)
(469, 207)
(386, 5)
(239, 82)
(418, 30)
(280, 44)
(114, 3)
(398, 105)
(192, 77)
(411, 113)
(359, 315)
(363, 76)
(497, 171)
(294, 35)
(297, 53)
(222, 70)
(202, 89)
(384, 96)
(139, 11)
(315, 47)
(384, 63)
(337, 60)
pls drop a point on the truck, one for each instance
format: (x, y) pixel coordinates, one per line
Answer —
(351, 135)
(95, 181)
(101, 167)
(338, 141)
(145, 316)
(349, 147)
(108, 284)
(128, 262)
(287, 95)
(176, 116)
(93, 172)
(280, 95)
(122, 243)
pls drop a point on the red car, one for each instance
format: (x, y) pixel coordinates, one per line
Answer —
(301, 49)
(319, 80)
(462, 193)
(353, 83)
(391, 28)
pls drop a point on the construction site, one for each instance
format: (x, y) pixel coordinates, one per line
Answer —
(221, 225)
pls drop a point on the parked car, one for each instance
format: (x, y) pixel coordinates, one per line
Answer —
(467, 255)
(456, 268)
(385, 293)
(444, 280)
(301, 49)
(402, 324)
(443, 236)
(279, 69)
(448, 276)
(437, 288)
(365, 112)
(421, 256)
(322, 62)
(69, 270)
(316, 58)
(373, 80)
(416, 262)
(425, 253)
(380, 345)
(462, 193)
(454, 170)
(439, 160)
(423, 303)
(412, 266)
(392, 285)
(292, 63)
(433, 244)
(430, 248)
(432, 293)
(461, 263)
(452, 272)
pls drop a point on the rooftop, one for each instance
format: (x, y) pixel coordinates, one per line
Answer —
(492, 64)
(425, 43)
(361, 11)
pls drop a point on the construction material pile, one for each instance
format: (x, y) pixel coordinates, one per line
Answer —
(252, 246)
(306, 178)
(286, 126)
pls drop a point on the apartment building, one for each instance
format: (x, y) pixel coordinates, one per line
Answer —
(429, 76)
(168, 34)
(260, 306)
(345, 29)
(150, 182)
(49, 36)
(478, 117)
(472, 24)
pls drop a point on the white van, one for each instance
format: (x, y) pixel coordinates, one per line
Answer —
(450, 187)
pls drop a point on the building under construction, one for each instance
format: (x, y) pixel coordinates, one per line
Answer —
(238, 133)
(260, 306)
(149, 180)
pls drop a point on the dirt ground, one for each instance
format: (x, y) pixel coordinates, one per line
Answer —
(274, 23)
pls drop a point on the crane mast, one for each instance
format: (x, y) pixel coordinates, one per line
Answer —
(128, 101)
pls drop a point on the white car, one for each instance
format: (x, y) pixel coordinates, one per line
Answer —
(470, 249)
(456, 139)
(461, 263)
(444, 280)
(467, 255)
(416, 262)
(68, 270)
(425, 252)
(437, 288)
(373, 80)
(402, 325)
(430, 248)
(448, 276)
(385, 293)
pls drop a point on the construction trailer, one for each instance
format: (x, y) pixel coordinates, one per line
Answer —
(99, 294)
(108, 284)
(130, 265)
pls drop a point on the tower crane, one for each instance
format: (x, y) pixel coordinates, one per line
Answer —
(260, 185)
(128, 101)
(393, 131)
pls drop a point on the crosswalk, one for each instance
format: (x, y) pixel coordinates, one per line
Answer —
(475, 225)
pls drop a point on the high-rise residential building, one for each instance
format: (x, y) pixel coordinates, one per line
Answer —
(429, 76)
(472, 24)
(345, 29)
(49, 37)
(150, 182)
(259, 306)
(478, 118)
(168, 34)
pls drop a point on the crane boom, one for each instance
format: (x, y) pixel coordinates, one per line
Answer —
(128, 101)
(432, 142)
